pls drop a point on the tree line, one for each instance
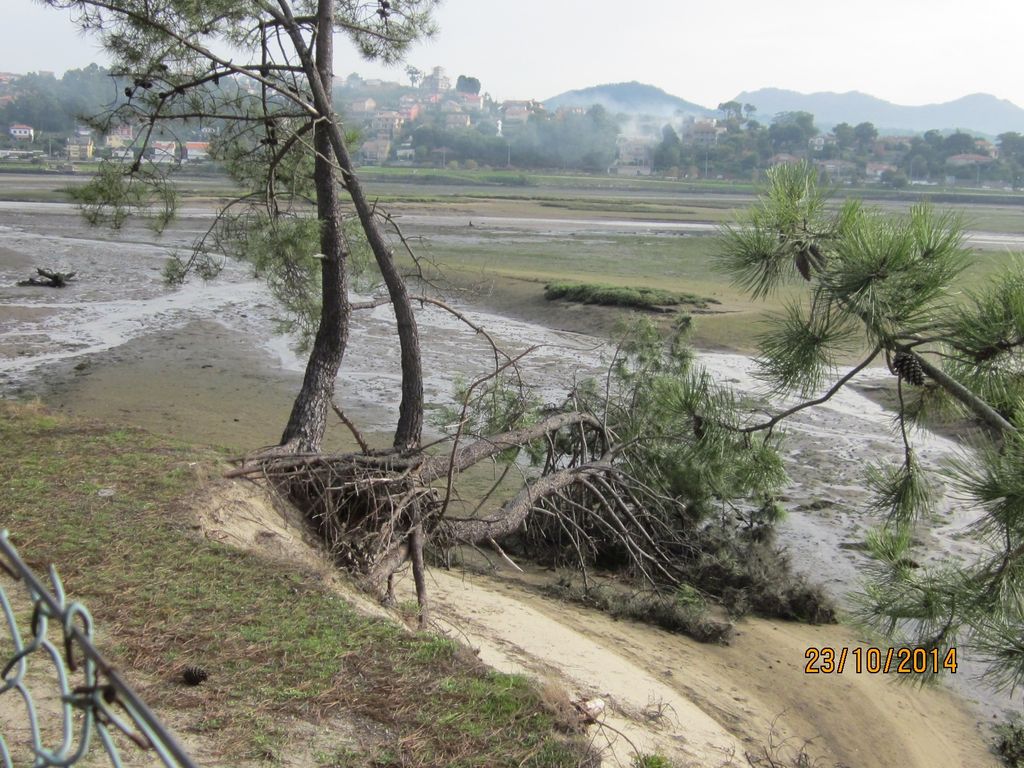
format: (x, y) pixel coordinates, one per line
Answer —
(58, 105)
(744, 146)
(584, 142)
(589, 141)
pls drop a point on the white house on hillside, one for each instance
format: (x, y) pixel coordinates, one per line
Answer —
(436, 82)
(22, 132)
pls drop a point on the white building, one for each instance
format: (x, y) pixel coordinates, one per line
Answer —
(164, 151)
(22, 132)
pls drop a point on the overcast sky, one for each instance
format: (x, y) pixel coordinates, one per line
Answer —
(904, 51)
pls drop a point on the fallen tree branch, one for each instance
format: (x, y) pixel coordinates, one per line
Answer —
(434, 467)
(377, 301)
(50, 279)
(351, 427)
(513, 513)
(501, 553)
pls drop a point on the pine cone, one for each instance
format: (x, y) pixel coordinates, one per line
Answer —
(908, 367)
(194, 675)
(809, 258)
(803, 263)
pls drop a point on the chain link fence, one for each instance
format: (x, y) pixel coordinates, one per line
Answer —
(91, 702)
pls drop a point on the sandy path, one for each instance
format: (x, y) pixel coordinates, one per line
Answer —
(716, 702)
(700, 705)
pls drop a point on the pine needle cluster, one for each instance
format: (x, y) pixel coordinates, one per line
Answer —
(884, 283)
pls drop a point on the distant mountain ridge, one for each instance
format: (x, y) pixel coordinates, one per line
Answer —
(632, 98)
(978, 112)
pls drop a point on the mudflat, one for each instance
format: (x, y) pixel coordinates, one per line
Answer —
(202, 382)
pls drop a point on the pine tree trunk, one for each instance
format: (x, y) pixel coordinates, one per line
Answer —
(308, 420)
(410, 411)
(410, 418)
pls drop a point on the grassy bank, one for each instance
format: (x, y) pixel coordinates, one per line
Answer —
(623, 296)
(507, 273)
(280, 647)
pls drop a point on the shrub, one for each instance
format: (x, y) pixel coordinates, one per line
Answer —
(651, 761)
(1010, 742)
(620, 296)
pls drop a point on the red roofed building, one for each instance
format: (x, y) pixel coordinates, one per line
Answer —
(196, 151)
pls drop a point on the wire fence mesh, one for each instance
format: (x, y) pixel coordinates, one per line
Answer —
(91, 700)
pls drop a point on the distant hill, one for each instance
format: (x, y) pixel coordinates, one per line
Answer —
(632, 98)
(979, 112)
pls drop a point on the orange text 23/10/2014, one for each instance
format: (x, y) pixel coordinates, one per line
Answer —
(872, 660)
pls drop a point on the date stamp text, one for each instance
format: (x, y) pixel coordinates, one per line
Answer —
(872, 660)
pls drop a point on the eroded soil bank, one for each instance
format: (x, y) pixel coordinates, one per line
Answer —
(700, 705)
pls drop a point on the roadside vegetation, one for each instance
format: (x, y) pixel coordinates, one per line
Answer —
(276, 642)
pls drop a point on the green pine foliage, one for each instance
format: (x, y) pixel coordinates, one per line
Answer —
(682, 427)
(705, 493)
(800, 349)
(255, 107)
(1010, 742)
(114, 195)
(901, 491)
(884, 283)
(986, 331)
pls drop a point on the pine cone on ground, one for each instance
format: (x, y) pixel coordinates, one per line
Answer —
(908, 367)
(194, 675)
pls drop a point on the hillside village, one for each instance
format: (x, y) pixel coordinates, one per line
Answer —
(435, 121)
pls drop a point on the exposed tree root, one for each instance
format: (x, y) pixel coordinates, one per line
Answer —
(375, 511)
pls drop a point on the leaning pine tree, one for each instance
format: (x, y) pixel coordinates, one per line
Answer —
(890, 286)
(639, 471)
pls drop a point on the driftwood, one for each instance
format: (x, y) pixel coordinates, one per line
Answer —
(49, 279)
